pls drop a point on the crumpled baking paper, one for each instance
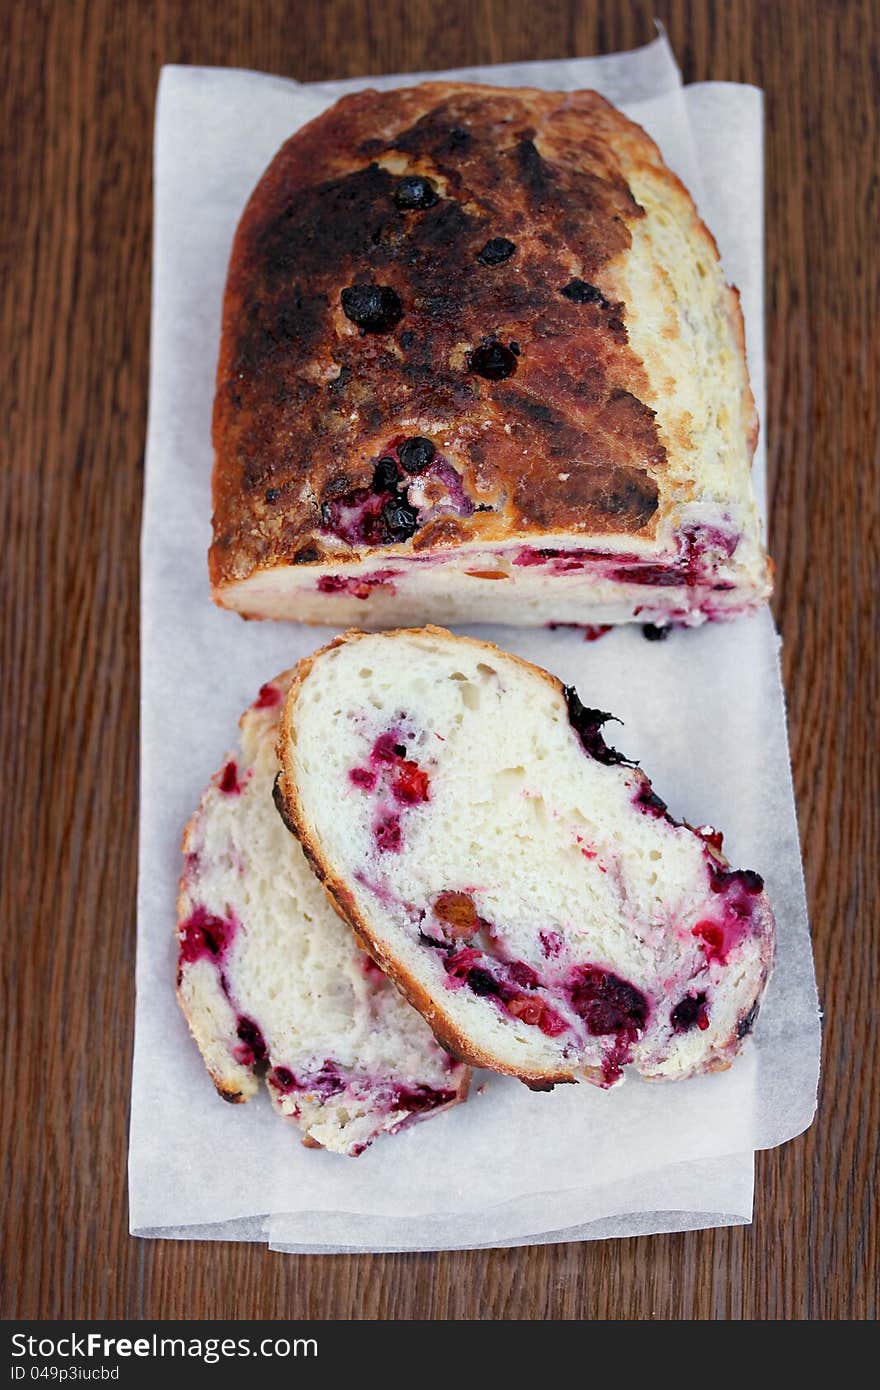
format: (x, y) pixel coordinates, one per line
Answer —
(704, 711)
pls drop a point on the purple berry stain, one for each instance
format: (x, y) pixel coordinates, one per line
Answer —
(269, 697)
(648, 801)
(551, 943)
(610, 1006)
(690, 1012)
(205, 936)
(363, 777)
(251, 1048)
(228, 782)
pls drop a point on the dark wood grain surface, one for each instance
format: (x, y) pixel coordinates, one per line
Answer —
(77, 87)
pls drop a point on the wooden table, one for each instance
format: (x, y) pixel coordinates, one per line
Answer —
(77, 93)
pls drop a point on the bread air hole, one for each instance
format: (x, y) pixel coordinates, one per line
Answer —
(470, 695)
(509, 780)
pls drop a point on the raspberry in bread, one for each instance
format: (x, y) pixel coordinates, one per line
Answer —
(517, 876)
(271, 981)
(479, 364)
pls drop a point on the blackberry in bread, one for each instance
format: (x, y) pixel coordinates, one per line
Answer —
(271, 981)
(514, 873)
(479, 363)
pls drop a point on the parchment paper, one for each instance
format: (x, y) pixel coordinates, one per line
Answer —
(703, 710)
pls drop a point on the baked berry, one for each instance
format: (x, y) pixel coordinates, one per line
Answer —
(581, 292)
(229, 782)
(415, 454)
(385, 748)
(608, 1004)
(253, 1042)
(493, 360)
(417, 1098)
(414, 193)
(747, 1022)
(652, 633)
(689, 1013)
(374, 308)
(587, 724)
(523, 975)
(204, 935)
(747, 879)
(496, 251)
(272, 494)
(386, 475)
(527, 1010)
(399, 520)
(481, 982)
(649, 801)
(410, 784)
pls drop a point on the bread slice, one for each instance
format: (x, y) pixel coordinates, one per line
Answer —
(517, 876)
(271, 981)
(479, 363)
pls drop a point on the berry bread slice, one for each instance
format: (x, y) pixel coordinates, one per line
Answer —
(272, 982)
(516, 876)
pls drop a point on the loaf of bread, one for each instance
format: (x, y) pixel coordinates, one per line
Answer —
(273, 983)
(514, 873)
(479, 364)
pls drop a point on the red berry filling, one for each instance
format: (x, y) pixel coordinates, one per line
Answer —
(503, 982)
(410, 784)
(648, 801)
(399, 778)
(228, 781)
(700, 549)
(251, 1048)
(205, 936)
(551, 943)
(738, 890)
(358, 585)
(269, 696)
(420, 1098)
(746, 882)
(389, 836)
(608, 1004)
(380, 1093)
(689, 1013)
